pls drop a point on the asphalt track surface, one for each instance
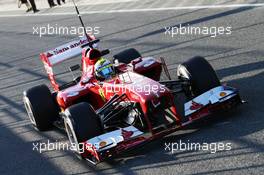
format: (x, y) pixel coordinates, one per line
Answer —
(237, 58)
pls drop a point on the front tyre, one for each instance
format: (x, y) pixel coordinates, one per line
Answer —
(40, 106)
(126, 56)
(199, 73)
(81, 124)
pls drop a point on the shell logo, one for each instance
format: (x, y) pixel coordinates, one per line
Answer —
(102, 144)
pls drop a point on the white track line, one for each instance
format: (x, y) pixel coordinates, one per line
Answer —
(143, 10)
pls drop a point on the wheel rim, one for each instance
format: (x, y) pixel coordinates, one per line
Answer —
(29, 110)
(72, 137)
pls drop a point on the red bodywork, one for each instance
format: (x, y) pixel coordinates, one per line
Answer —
(141, 72)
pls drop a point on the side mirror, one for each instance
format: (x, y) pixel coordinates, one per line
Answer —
(135, 61)
(75, 67)
(105, 52)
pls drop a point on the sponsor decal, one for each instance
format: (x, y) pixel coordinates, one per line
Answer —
(101, 93)
(195, 106)
(64, 48)
(126, 134)
(49, 54)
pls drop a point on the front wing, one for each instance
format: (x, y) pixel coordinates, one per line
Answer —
(113, 143)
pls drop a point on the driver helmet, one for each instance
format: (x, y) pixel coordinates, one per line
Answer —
(103, 69)
(91, 56)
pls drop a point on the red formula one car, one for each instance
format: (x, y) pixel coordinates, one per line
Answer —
(103, 118)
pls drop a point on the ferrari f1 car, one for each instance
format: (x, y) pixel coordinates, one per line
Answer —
(105, 118)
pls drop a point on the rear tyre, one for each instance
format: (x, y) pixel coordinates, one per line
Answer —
(81, 124)
(126, 56)
(200, 74)
(40, 106)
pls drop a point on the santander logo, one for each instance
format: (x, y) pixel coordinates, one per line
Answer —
(49, 54)
(126, 134)
(195, 106)
(64, 48)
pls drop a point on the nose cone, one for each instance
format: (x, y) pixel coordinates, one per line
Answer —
(141, 86)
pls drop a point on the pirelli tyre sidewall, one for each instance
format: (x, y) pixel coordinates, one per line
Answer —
(41, 107)
(74, 143)
(200, 73)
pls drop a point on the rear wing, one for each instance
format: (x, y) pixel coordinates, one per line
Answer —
(62, 53)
